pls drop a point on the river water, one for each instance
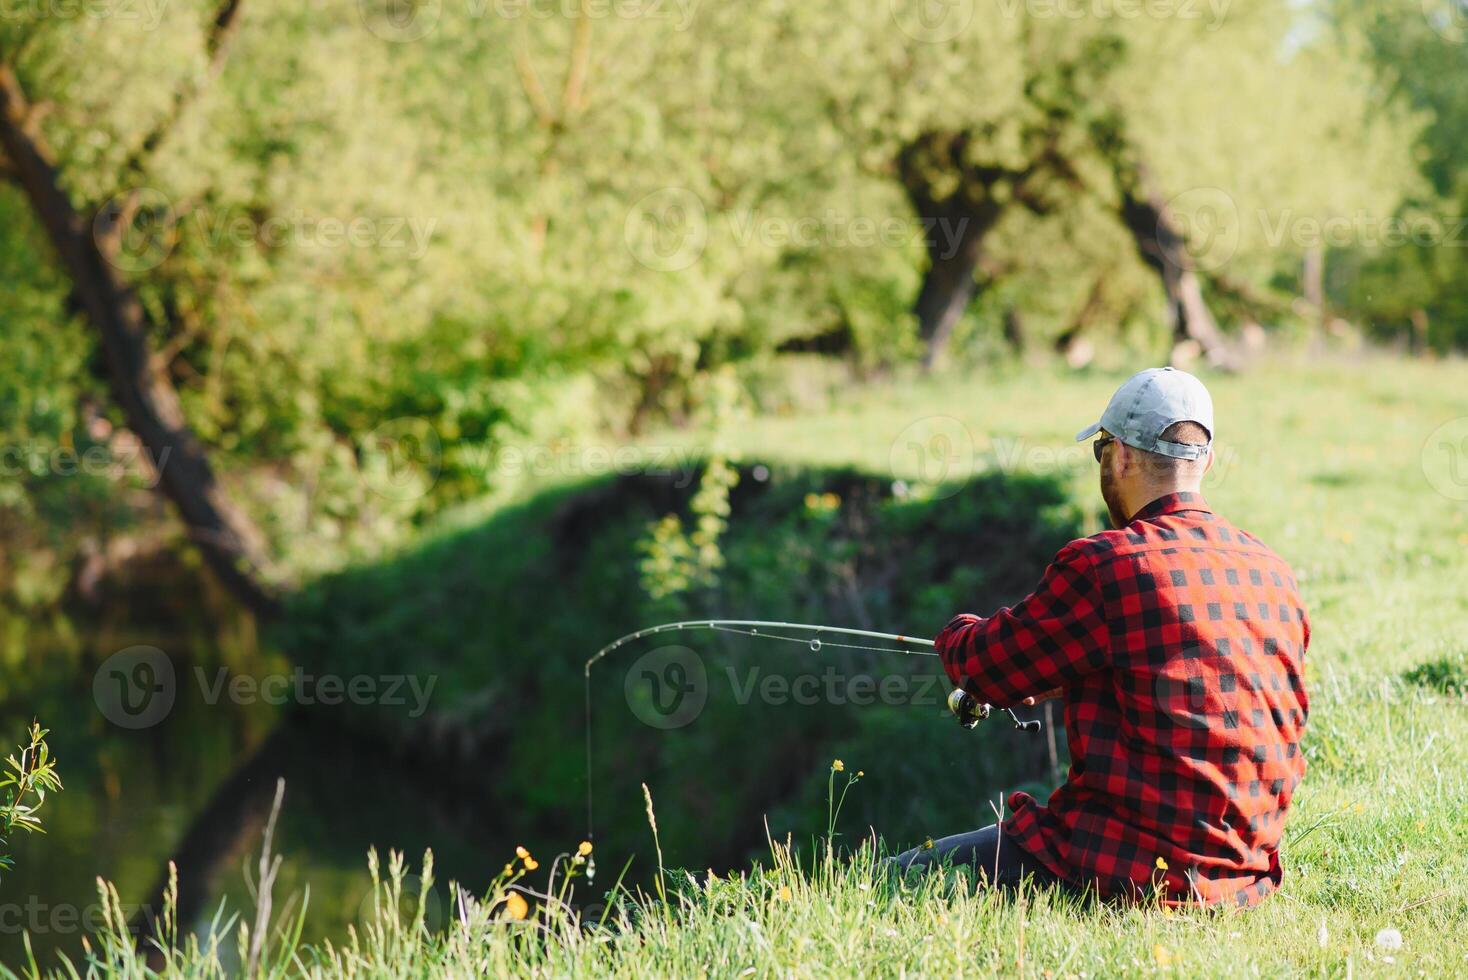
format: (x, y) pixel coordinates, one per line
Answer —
(194, 782)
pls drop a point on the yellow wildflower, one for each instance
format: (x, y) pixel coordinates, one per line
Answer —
(531, 864)
(1161, 864)
(515, 906)
(521, 853)
(838, 766)
(1162, 955)
(584, 849)
(785, 893)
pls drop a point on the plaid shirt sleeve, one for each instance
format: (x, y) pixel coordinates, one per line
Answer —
(1051, 639)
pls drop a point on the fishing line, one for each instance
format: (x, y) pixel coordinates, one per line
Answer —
(819, 640)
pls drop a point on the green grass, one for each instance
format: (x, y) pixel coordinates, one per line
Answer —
(1328, 462)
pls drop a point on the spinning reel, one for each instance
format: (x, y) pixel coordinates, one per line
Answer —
(969, 711)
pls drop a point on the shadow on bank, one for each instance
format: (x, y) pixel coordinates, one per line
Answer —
(499, 618)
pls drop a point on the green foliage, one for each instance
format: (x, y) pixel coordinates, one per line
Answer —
(24, 786)
(1409, 288)
(623, 206)
(1446, 675)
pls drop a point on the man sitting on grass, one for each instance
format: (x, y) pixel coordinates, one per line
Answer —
(1177, 644)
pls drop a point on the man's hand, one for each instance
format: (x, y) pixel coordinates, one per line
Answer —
(1048, 695)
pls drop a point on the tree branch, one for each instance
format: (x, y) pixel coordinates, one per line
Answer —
(530, 82)
(573, 98)
(229, 541)
(216, 48)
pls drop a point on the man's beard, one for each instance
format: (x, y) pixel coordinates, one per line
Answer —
(1109, 493)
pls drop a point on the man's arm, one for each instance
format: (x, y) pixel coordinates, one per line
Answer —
(1051, 639)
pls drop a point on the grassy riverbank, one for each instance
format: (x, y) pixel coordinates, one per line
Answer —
(1346, 469)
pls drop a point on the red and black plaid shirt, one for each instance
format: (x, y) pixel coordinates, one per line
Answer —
(1179, 641)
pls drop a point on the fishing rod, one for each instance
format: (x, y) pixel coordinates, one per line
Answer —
(966, 708)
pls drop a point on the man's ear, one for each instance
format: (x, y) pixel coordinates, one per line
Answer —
(1208, 465)
(1121, 455)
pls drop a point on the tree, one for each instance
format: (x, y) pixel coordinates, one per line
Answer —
(87, 249)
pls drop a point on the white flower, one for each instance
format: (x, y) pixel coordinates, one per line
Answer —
(1389, 939)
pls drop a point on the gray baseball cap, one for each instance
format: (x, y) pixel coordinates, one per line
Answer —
(1150, 401)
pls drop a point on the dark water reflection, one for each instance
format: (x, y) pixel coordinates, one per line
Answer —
(196, 787)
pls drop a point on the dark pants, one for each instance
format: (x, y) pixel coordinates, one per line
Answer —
(1001, 862)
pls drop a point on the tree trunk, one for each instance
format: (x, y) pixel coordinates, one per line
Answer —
(955, 245)
(230, 543)
(1312, 275)
(1014, 329)
(1070, 344)
(1163, 248)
